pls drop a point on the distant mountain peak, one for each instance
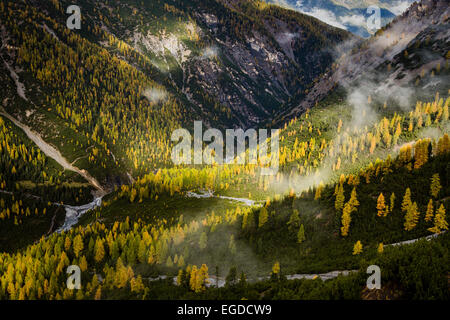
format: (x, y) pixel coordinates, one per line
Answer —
(351, 15)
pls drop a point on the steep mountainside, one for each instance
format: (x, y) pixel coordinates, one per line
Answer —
(135, 71)
(407, 56)
(362, 173)
(243, 58)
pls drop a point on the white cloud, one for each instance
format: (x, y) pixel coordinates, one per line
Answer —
(324, 15)
(355, 20)
(210, 52)
(400, 7)
(155, 95)
(286, 37)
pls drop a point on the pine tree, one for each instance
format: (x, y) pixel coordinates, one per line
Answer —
(435, 186)
(294, 221)
(230, 280)
(203, 240)
(232, 245)
(357, 248)
(440, 222)
(301, 234)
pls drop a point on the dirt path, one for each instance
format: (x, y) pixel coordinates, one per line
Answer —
(52, 152)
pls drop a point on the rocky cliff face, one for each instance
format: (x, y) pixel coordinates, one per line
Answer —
(238, 61)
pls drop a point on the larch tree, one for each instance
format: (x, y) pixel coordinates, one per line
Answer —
(357, 248)
(380, 248)
(201, 279)
(346, 219)
(301, 234)
(263, 217)
(232, 245)
(406, 203)
(392, 202)
(430, 211)
(77, 245)
(349, 207)
(381, 206)
(440, 222)
(294, 221)
(99, 251)
(276, 268)
(411, 217)
(319, 190)
(353, 200)
(83, 264)
(444, 144)
(98, 293)
(435, 186)
(203, 240)
(193, 278)
(340, 197)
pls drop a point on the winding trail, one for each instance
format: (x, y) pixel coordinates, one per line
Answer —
(220, 281)
(52, 152)
(210, 194)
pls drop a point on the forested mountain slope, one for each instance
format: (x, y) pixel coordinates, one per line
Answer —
(121, 83)
(363, 153)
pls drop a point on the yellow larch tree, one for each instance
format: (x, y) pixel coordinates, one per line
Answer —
(430, 211)
(440, 222)
(357, 248)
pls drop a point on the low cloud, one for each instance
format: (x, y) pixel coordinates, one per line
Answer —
(326, 16)
(210, 52)
(355, 20)
(155, 95)
(400, 6)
